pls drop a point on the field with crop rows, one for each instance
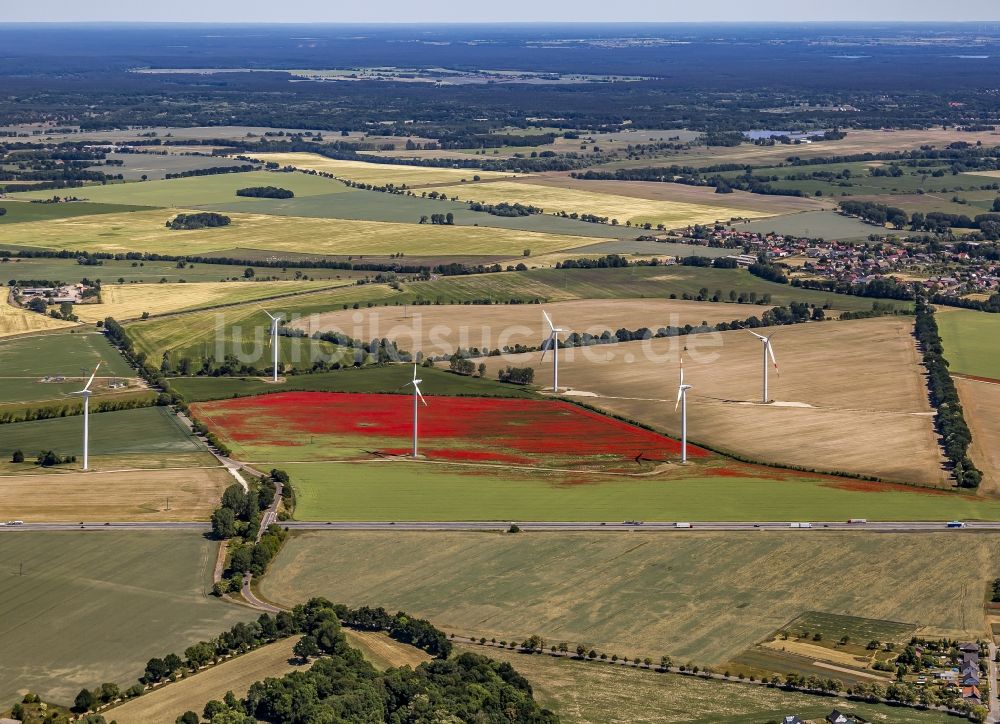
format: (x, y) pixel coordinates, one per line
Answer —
(701, 597)
(82, 608)
(115, 441)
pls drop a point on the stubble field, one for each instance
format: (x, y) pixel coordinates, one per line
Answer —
(192, 693)
(981, 403)
(378, 174)
(623, 208)
(129, 301)
(14, 320)
(148, 495)
(850, 396)
(442, 329)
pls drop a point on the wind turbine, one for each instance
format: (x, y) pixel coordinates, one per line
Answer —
(553, 343)
(86, 417)
(768, 351)
(682, 402)
(416, 395)
(274, 341)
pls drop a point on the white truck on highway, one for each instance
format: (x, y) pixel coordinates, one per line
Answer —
(800, 525)
(682, 525)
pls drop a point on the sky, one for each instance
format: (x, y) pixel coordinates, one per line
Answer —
(341, 11)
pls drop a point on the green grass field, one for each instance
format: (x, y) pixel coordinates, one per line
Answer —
(816, 224)
(368, 379)
(366, 205)
(196, 190)
(116, 438)
(21, 211)
(384, 490)
(94, 607)
(587, 693)
(24, 361)
(971, 341)
(699, 597)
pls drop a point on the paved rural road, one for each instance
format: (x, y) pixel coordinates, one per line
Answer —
(871, 527)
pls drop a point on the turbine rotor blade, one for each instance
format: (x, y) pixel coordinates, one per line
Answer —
(547, 344)
(548, 319)
(761, 337)
(770, 351)
(417, 390)
(91, 380)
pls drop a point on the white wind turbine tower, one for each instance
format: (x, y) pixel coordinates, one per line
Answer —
(552, 343)
(274, 341)
(416, 396)
(682, 402)
(85, 392)
(768, 352)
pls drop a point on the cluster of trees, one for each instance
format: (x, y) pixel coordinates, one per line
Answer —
(516, 375)
(505, 209)
(441, 219)
(200, 220)
(770, 272)
(610, 261)
(461, 366)
(950, 418)
(399, 626)
(265, 192)
(212, 171)
(47, 458)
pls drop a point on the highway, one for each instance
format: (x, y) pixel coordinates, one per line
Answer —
(541, 526)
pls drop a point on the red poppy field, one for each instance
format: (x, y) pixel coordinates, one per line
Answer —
(305, 426)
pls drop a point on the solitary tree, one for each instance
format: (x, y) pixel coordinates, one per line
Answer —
(17, 457)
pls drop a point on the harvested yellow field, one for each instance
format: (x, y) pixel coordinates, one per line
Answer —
(169, 701)
(442, 329)
(113, 496)
(378, 174)
(14, 320)
(981, 402)
(146, 231)
(850, 397)
(682, 193)
(555, 199)
(383, 652)
(128, 301)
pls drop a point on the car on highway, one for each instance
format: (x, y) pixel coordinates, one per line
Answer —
(15, 522)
